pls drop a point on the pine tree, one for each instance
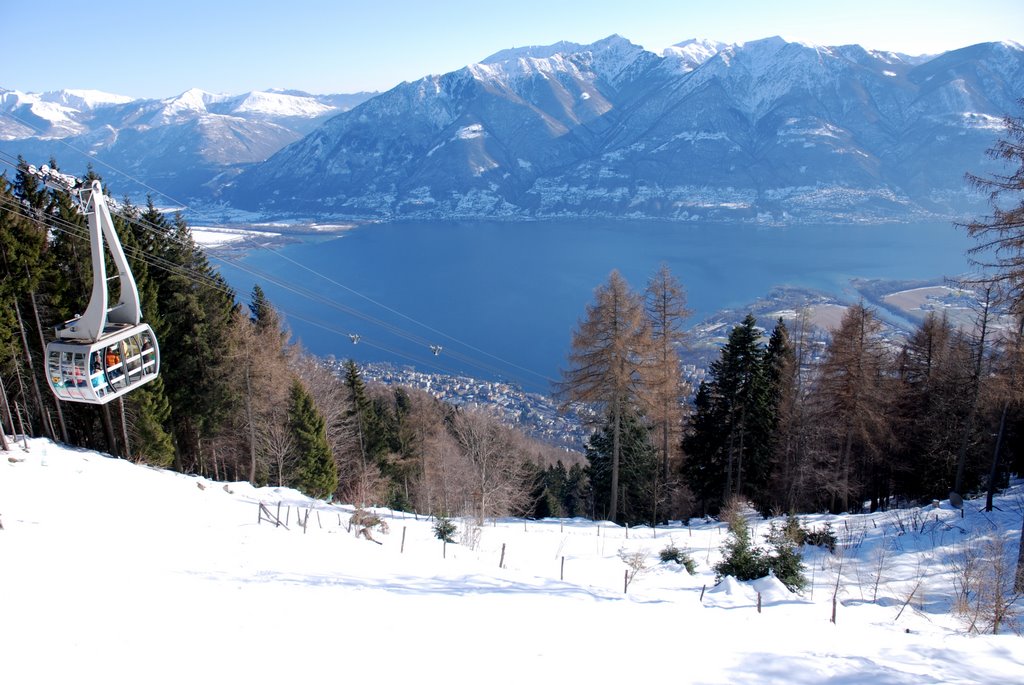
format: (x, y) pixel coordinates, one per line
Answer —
(316, 474)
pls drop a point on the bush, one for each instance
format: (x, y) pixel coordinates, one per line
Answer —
(681, 557)
(786, 562)
(740, 558)
(444, 529)
(743, 561)
(826, 537)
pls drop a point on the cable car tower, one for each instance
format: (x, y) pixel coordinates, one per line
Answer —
(107, 351)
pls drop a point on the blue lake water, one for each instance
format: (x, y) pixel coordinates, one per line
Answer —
(502, 299)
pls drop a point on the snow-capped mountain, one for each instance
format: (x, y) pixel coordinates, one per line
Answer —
(768, 129)
(180, 145)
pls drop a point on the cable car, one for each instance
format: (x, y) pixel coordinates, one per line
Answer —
(106, 352)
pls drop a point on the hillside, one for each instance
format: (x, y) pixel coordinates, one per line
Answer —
(132, 574)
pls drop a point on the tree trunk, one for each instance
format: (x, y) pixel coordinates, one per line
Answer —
(43, 414)
(994, 470)
(42, 346)
(6, 415)
(616, 447)
(975, 383)
(124, 429)
(108, 429)
(252, 423)
(1018, 583)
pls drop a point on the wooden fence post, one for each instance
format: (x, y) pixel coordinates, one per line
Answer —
(402, 549)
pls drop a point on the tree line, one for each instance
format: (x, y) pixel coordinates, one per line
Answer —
(785, 419)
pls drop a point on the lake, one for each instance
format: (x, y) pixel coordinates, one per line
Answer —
(501, 300)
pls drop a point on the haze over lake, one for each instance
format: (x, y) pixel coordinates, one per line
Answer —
(502, 299)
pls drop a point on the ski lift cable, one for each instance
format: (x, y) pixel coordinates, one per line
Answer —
(79, 233)
(296, 263)
(299, 290)
(317, 297)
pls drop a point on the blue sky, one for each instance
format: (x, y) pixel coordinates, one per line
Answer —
(151, 49)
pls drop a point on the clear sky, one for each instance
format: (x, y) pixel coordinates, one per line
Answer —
(159, 49)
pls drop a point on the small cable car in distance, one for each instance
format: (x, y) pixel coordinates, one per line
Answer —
(106, 352)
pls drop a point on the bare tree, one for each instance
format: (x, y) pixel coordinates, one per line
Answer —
(498, 470)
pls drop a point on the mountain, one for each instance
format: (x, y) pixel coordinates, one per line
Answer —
(185, 146)
(769, 130)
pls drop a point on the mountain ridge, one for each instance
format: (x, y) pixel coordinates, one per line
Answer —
(768, 130)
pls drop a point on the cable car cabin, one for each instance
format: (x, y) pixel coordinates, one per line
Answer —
(97, 372)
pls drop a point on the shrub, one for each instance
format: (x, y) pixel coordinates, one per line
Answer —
(786, 562)
(742, 560)
(679, 556)
(795, 531)
(444, 529)
(825, 537)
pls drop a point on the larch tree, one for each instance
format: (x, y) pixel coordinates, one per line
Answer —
(610, 350)
(852, 398)
(999, 236)
(665, 388)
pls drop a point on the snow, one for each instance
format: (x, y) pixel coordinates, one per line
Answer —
(216, 237)
(281, 104)
(134, 574)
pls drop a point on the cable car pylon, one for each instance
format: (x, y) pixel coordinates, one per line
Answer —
(105, 352)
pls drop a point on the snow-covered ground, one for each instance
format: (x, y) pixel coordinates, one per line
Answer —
(218, 236)
(116, 573)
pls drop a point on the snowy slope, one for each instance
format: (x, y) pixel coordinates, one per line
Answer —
(119, 573)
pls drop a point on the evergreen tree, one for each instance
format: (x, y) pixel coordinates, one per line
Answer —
(638, 471)
(197, 310)
(316, 474)
(732, 429)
